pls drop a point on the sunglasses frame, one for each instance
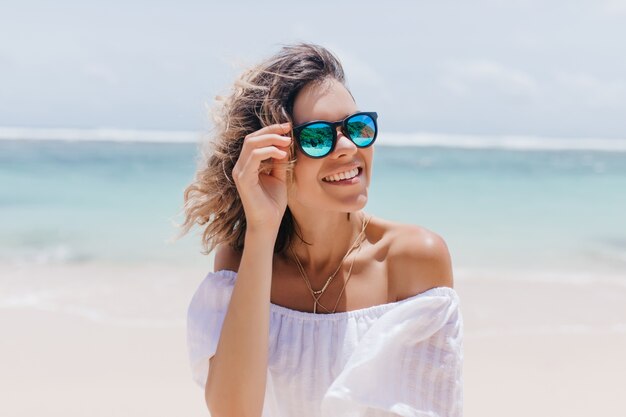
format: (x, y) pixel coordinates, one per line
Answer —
(344, 129)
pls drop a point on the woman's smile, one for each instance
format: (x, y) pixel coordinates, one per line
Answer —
(348, 177)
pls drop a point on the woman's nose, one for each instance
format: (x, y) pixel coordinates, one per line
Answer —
(344, 144)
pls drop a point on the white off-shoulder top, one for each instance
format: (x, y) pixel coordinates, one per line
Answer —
(398, 359)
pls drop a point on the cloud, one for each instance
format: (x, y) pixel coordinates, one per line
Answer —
(465, 78)
(615, 7)
(102, 73)
(594, 91)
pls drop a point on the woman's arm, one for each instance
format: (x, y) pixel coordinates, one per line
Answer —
(238, 371)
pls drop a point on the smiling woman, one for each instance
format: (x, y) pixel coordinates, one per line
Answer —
(314, 307)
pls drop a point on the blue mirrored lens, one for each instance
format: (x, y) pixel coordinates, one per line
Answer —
(316, 139)
(362, 129)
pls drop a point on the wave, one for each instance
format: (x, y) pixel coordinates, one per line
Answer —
(507, 142)
(46, 255)
(418, 139)
(98, 135)
(591, 275)
(41, 303)
(608, 250)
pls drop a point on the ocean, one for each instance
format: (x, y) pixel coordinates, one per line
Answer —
(529, 211)
(118, 202)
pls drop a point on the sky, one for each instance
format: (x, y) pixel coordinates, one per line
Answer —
(544, 68)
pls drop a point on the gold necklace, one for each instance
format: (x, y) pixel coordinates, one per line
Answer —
(319, 293)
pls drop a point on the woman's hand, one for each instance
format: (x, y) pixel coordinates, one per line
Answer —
(263, 195)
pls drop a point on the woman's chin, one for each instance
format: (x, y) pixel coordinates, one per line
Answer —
(356, 204)
(343, 204)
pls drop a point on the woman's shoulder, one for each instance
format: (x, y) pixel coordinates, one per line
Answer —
(226, 258)
(417, 258)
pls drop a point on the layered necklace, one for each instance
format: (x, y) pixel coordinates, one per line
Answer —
(318, 294)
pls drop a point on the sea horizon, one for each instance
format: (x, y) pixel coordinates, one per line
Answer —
(418, 138)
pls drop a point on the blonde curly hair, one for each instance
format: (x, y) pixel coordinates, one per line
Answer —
(262, 95)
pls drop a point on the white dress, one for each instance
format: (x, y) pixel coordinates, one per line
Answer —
(396, 359)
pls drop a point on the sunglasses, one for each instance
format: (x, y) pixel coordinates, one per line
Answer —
(317, 139)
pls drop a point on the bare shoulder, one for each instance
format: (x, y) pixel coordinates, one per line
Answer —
(417, 258)
(226, 257)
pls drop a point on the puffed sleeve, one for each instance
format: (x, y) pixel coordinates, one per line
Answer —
(409, 363)
(205, 316)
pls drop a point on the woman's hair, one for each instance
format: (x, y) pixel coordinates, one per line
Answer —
(262, 95)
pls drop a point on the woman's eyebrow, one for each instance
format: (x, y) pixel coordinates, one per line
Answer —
(348, 114)
(324, 120)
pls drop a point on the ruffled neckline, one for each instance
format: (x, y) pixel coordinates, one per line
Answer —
(372, 311)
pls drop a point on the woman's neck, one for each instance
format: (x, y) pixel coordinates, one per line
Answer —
(330, 236)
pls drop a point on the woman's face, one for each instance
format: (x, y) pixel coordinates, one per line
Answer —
(312, 186)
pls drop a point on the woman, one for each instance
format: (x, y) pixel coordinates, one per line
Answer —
(314, 308)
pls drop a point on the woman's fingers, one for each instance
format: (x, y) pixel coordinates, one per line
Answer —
(269, 135)
(258, 146)
(263, 192)
(265, 140)
(252, 161)
(261, 154)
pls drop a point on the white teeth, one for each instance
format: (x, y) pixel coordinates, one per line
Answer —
(342, 175)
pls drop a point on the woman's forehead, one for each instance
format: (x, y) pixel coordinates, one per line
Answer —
(329, 101)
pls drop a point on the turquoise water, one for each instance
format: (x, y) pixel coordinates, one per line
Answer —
(72, 202)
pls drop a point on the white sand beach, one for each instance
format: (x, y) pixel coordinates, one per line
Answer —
(531, 349)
